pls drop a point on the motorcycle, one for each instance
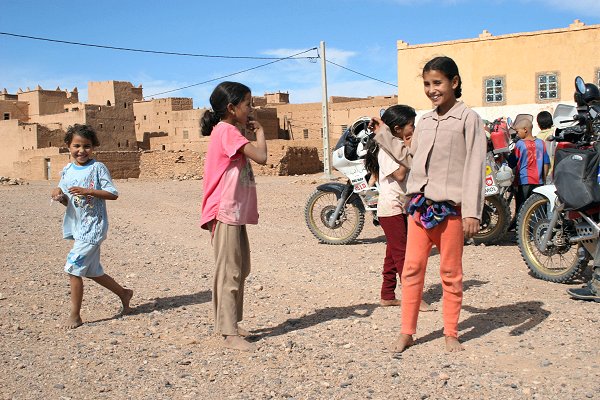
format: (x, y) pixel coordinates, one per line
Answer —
(496, 216)
(558, 227)
(335, 212)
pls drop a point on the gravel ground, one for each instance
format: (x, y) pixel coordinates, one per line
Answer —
(313, 309)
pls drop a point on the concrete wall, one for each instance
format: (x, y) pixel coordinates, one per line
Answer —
(518, 58)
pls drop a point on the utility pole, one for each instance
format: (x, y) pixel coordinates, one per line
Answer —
(325, 112)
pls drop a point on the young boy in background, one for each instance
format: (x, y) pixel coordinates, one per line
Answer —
(530, 159)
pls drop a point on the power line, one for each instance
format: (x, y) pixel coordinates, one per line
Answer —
(361, 74)
(146, 51)
(232, 74)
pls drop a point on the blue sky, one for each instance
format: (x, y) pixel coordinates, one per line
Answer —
(359, 35)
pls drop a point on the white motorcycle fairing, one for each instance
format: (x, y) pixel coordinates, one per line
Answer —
(549, 192)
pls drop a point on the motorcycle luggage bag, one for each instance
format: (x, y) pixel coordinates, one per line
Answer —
(576, 177)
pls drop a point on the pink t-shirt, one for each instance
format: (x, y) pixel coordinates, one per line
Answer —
(229, 186)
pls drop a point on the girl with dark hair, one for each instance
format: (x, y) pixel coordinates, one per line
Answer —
(229, 202)
(391, 176)
(85, 185)
(445, 186)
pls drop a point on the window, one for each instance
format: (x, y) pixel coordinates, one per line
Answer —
(598, 77)
(144, 117)
(344, 127)
(127, 143)
(494, 90)
(547, 86)
(305, 132)
(6, 116)
(125, 105)
(101, 125)
(108, 103)
(185, 134)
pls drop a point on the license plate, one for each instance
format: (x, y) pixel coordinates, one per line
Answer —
(491, 190)
(358, 187)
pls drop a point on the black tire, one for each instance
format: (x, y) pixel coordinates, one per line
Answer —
(319, 207)
(494, 220)
(561, 262)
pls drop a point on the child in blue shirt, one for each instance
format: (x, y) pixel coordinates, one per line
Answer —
(84, 186)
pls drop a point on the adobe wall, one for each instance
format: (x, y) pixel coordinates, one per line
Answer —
(113, 93)
(308, 116)
(39, 166)
(159, 115)
(186, 123)
(36, 164)
(15, 109)
(121, 164)
(43, 102)
(182, 164)
(63, 119)
(114, 126)
(15, 136)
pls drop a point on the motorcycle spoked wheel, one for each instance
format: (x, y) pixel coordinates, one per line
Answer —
(320, 206)
(560, 262)
(494, 221)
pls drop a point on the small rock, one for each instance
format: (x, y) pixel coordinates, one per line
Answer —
(443, 376)
(59, 386)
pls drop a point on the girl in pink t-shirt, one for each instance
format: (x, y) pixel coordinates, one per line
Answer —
(229, 202)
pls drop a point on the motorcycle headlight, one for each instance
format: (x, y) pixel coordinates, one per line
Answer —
(504, 176)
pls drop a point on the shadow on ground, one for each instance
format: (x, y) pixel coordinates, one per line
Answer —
(167, 303)
(319, 316)
(522, 316)
(433, 294)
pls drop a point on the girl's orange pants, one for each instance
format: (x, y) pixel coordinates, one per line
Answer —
(448, 238)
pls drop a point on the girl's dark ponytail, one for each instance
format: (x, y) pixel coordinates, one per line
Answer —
(224, 94)
(208, 122)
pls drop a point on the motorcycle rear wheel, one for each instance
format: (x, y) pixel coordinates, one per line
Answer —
(320, 206)
(560, 262)
(494, 220)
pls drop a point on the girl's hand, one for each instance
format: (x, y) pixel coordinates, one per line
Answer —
(254, 126)
(58, 195)
(375, 124)
(470, 226)
(79, 191)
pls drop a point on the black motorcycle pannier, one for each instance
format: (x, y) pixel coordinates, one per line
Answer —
(576, 177)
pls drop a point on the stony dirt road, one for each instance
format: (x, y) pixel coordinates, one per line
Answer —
(313, 309)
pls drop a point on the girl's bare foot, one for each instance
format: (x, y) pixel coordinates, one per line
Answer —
(236, 342)
(125, 309)
(402, 343)
(73, 322)
(389, 303)
(452, 344)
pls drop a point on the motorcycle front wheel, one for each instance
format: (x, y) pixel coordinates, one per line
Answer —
(561, 261)
(320, 206)
(494, 220)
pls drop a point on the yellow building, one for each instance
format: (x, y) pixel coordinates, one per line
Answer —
(508, 74)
